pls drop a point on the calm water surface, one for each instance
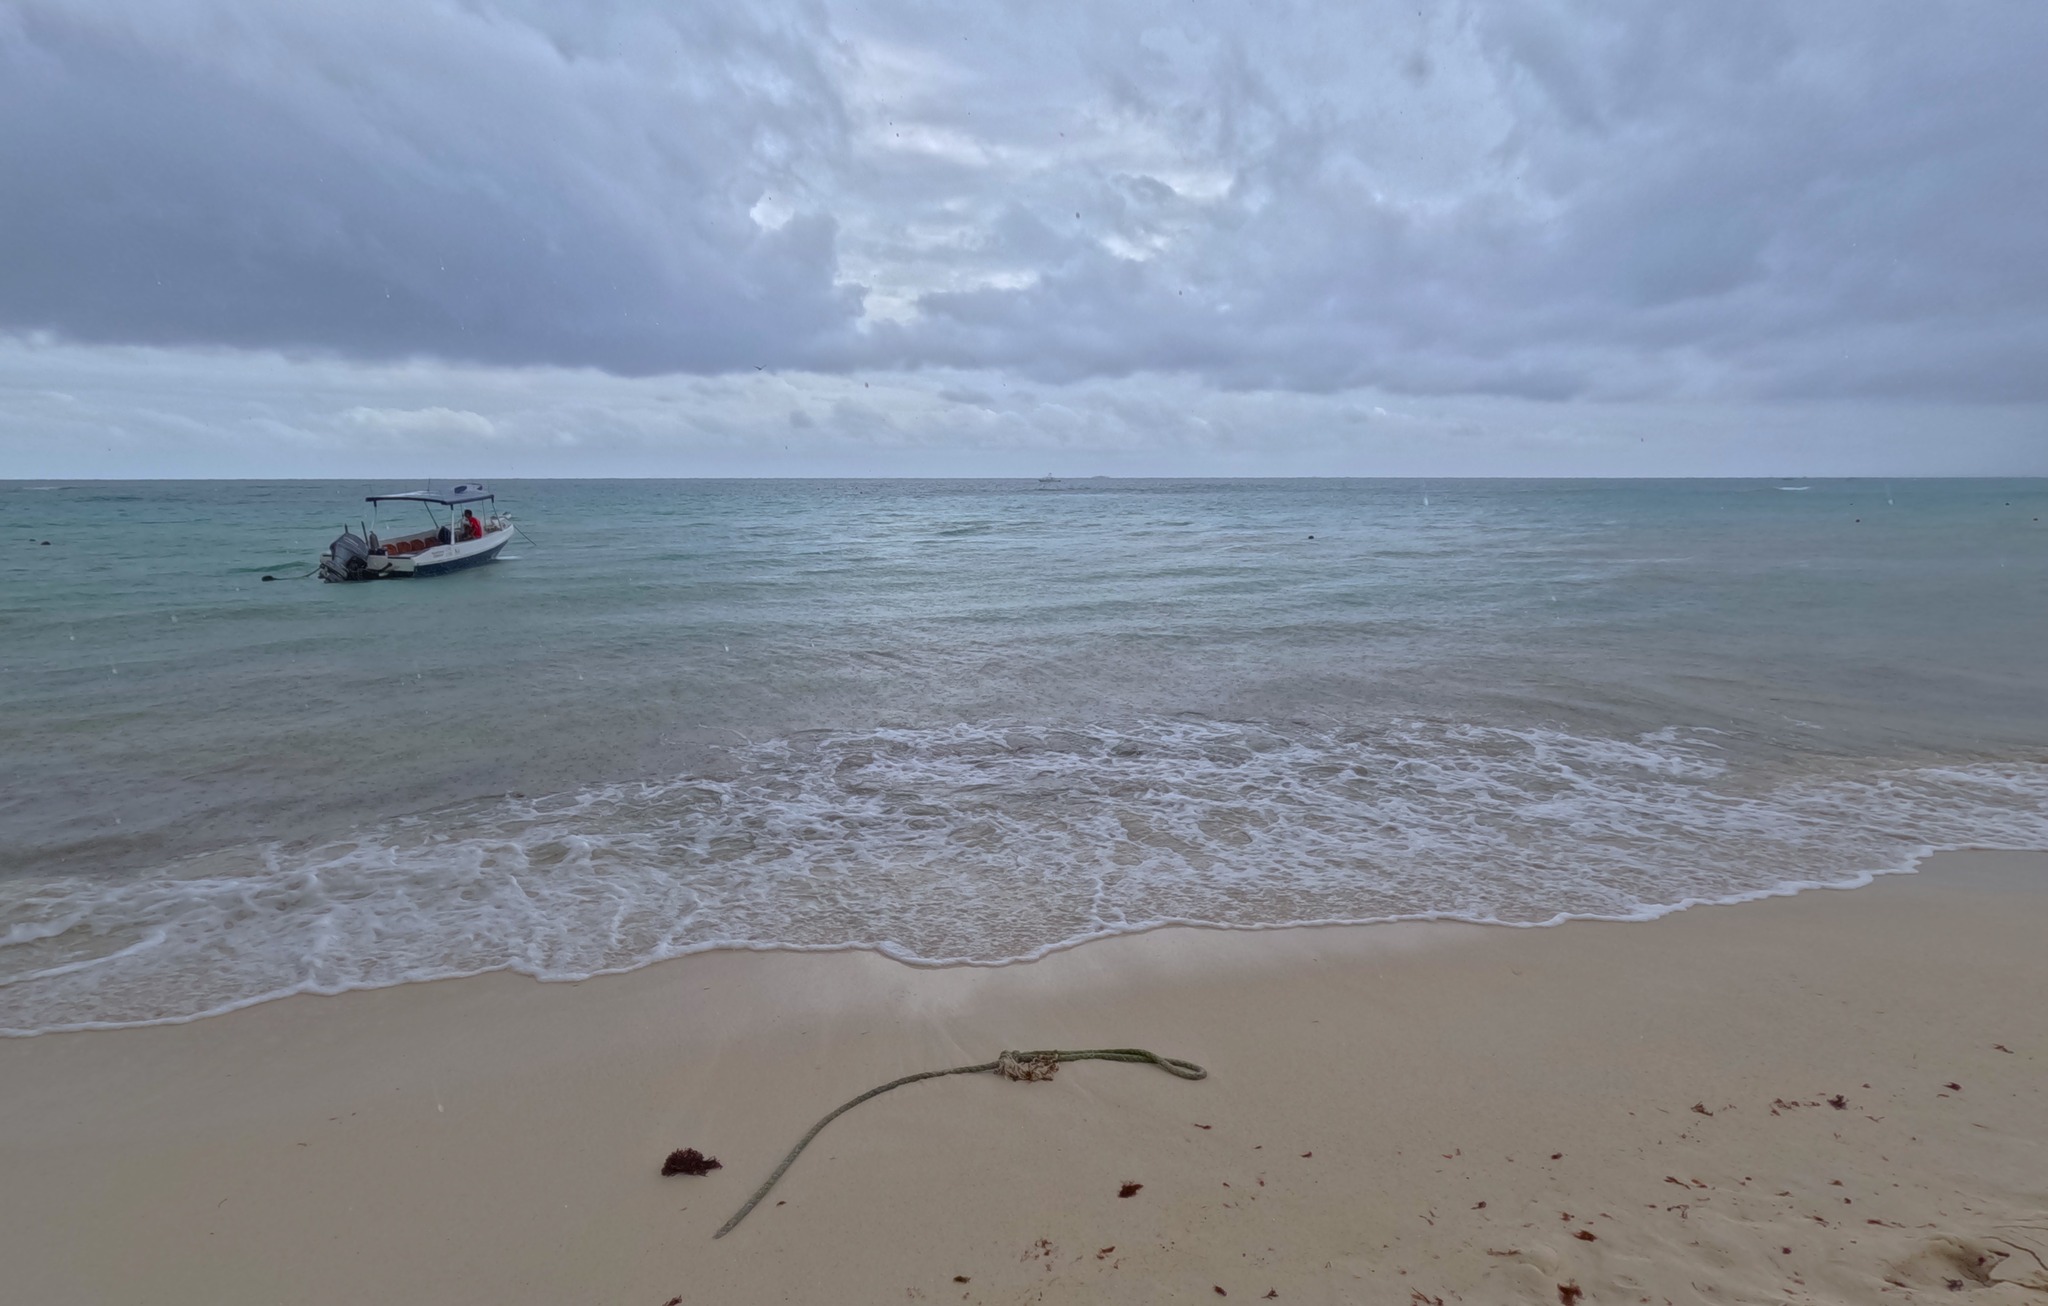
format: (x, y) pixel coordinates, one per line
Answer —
(973, 721)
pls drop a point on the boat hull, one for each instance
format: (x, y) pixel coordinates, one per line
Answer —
(461, 556)
(457, 555)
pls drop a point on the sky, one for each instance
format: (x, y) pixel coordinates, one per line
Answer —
(1550, 237)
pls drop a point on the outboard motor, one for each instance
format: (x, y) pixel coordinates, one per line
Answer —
(348, 558)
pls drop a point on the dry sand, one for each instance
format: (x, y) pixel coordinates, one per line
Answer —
(1756, 1103)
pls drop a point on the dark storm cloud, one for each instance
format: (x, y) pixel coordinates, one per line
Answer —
(1752, 200)
(397, 178)
(1549, 199)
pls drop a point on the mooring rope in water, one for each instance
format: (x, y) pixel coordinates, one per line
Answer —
(1011, 1065)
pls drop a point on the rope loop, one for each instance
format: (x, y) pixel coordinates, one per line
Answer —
(1026, 1066)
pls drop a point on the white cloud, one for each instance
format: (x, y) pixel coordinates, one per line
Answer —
(152, 412)
(413, 422)
(1584, 208)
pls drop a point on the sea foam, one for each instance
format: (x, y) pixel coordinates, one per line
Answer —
(985, 844)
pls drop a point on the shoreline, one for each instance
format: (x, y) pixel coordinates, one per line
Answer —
(493, 1138)
(1912, 865)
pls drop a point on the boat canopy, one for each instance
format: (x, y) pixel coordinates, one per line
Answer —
(460, 494)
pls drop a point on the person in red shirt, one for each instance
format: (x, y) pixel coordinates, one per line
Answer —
(472, 529)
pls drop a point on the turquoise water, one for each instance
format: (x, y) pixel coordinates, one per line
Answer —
(973, 721)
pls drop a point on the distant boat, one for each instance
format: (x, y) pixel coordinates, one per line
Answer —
(438, 548)
(1048, 479)
(1795, 488)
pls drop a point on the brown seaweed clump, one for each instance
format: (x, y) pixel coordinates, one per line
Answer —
(688, 1160)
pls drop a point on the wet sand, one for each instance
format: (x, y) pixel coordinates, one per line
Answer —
(1838, 1097)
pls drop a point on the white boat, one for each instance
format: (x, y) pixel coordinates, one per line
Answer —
(462, 541)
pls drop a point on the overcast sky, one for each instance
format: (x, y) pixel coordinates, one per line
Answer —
(402, 237)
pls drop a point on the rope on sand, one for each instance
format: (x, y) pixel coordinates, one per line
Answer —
(1026, 1066)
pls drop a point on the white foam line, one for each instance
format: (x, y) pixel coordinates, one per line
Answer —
(989, 845)
(1784, 889)
(152, 940)
(24, 932)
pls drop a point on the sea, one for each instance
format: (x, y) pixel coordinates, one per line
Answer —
(973, 722)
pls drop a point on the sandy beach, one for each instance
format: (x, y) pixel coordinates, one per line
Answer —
(1307, 652)
(1835, 1097)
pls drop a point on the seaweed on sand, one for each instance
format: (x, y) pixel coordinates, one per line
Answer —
(688, 1160)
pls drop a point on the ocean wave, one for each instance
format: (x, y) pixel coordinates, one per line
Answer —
(987, 844)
